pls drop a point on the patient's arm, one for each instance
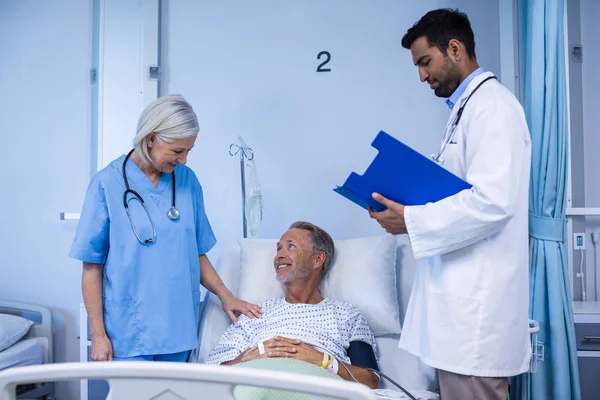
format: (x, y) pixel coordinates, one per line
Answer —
(250, 354)
(232, 344)
(253, 352)
(294, 348)
(362, 375)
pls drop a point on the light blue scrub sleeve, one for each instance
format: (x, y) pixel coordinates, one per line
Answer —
(204, 234)
(91, 242)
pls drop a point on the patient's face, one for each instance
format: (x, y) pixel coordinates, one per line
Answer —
(294, 258)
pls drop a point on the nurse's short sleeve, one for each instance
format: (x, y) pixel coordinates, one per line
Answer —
(204, 234)
(91, 242)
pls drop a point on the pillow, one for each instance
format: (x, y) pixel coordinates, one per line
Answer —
(12, 329)
(363, 273)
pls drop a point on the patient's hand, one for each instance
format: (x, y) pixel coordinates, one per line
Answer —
(293, 348)
(281, 347)
(253, 353)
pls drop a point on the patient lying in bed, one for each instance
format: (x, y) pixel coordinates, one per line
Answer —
(303, 325)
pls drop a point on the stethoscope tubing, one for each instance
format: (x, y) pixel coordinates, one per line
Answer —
(172, 214)
(457, 118)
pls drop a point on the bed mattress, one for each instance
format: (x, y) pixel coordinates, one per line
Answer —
(24, 352)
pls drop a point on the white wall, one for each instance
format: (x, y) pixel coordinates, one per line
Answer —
(128, 45)
(45, 52)
(590, 33)
(249, 69)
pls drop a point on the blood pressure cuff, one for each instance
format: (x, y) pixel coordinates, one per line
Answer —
(361, 354)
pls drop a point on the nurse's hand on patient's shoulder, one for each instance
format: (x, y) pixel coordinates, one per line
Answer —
(232, 304)
(391, 219)
(101, 348)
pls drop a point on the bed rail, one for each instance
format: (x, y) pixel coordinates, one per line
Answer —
(152, 380)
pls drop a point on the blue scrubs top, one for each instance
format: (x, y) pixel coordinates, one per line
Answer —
(150, 292)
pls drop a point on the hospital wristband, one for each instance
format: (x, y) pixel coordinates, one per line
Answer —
(333, 367)
(261, 347)
(326, 360)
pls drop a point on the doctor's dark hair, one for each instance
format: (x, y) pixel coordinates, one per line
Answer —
(169, 118)
(319, 241)
(439, 27)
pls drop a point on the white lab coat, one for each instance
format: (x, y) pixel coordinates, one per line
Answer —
(468, 310)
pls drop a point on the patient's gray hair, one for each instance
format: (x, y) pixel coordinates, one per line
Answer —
(319, 241)
(169, 118)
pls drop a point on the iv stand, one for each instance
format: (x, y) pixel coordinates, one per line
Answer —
(247, 152)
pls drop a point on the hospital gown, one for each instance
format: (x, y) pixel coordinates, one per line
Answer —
(330, 324)
(150, 292)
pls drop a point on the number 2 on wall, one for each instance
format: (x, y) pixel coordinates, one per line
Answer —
(327, 59)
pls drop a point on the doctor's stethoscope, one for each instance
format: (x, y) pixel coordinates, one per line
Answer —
(173, 214)
(450, 133)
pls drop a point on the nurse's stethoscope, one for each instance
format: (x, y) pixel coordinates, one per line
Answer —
(172, 213)
(450, 132)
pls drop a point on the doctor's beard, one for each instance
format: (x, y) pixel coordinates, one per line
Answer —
(448, 83)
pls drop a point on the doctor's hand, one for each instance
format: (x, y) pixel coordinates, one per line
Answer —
(391, 219)
(232, 304)
(101, 348)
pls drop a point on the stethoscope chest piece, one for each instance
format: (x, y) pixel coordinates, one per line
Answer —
(173, 213)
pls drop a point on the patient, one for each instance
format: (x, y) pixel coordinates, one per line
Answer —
(304, 325)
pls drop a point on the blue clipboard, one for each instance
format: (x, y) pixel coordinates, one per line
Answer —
(401, 174)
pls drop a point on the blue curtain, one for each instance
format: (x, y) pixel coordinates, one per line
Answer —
(541, 32)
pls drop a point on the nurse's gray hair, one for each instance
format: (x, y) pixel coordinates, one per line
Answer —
(169, 118)
(320, 241)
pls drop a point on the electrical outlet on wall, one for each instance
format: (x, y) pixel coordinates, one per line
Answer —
(579, 241)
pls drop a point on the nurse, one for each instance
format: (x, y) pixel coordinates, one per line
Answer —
(468, 311)
(143, 238)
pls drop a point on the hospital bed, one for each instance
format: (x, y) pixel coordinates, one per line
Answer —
(374, 273)
(372, 263)
(34, 348)
(388, 256)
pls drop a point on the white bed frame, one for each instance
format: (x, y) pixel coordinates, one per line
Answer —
(159, 380)
(41, 328)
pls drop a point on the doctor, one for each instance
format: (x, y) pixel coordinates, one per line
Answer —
(468, 312)
(143, 236)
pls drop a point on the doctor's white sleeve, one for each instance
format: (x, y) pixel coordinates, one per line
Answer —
(496, 145)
